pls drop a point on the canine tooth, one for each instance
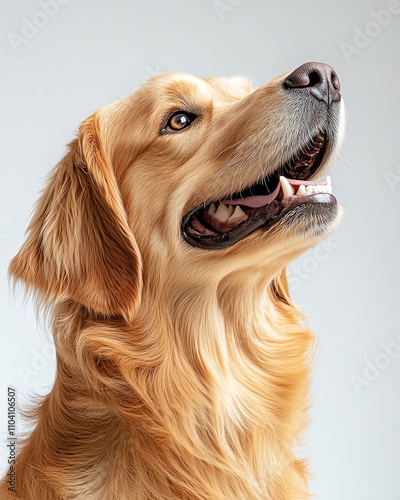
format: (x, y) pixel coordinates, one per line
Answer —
(237, 213)
(329, 189)
(212, 209)
(328, 181)
(223, 213)
(301, 191)
(286, 187)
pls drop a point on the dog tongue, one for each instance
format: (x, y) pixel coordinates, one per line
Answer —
(255, 201)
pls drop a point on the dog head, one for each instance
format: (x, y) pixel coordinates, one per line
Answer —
(188, 179)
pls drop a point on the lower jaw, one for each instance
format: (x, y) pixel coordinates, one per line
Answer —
(319, 206)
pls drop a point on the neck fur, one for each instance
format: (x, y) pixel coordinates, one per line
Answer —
(213, 389)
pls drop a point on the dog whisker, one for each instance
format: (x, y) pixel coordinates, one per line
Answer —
(343, 160)
(233, 145)
(146, 68)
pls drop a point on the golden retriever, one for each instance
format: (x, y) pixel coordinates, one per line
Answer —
(159, 247)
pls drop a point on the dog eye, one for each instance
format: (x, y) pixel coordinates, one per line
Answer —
(179, 121)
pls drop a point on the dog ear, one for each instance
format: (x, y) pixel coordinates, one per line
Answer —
(79, 245)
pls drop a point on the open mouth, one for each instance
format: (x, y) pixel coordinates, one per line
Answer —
(228, 220)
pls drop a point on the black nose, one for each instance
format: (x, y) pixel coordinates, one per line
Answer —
(318, 79)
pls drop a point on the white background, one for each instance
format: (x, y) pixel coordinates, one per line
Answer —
(91, 53)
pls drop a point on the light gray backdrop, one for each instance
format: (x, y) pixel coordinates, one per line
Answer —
(63, 59)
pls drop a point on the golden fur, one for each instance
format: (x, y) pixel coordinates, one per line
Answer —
(182, 373)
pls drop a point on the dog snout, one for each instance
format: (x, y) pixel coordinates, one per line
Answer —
(318, 79)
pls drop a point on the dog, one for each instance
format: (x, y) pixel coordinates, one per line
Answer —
(159, 248)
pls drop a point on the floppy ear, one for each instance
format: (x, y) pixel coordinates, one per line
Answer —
(79, 245)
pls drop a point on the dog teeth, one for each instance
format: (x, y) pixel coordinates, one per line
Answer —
(301, 191)
(318, 189)
(286, 187)
(212, 209)
(237, 213)
(223, 212)
(231, 213)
